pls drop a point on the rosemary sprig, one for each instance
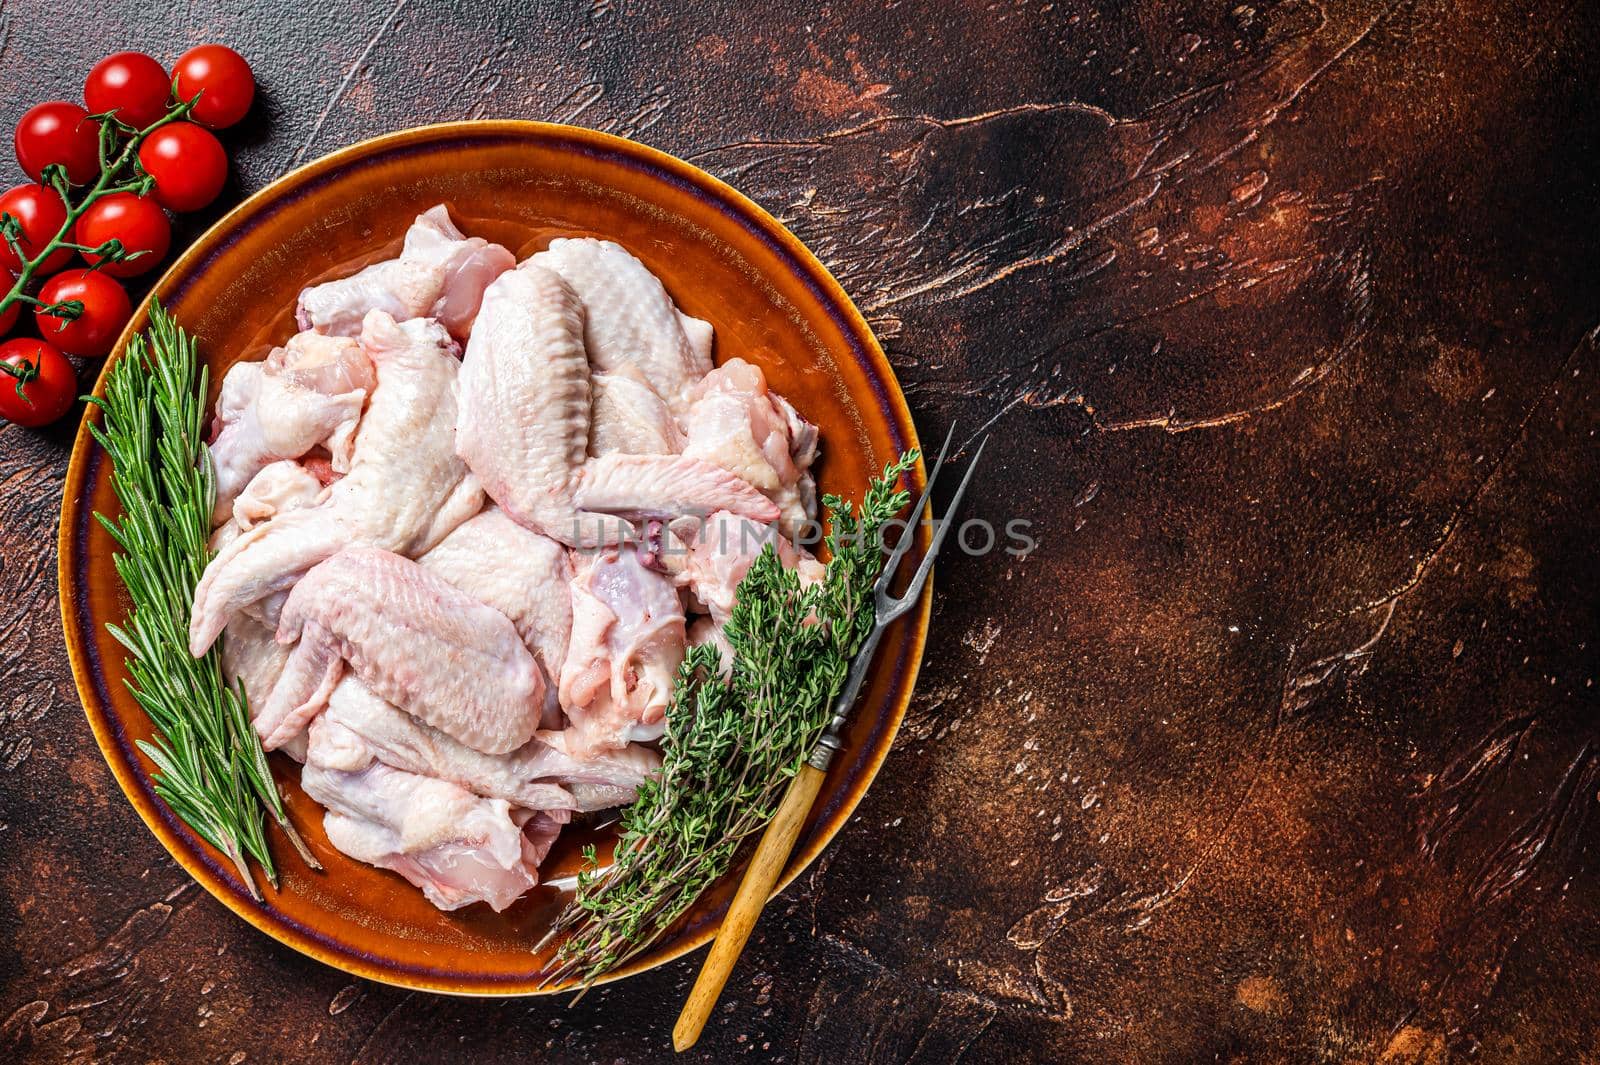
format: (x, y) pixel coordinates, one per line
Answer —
(212, 771)
(731, 747)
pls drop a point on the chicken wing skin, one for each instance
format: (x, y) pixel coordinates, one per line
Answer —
(666, 487)
(431, 649)
(522, 574)
(629, 417)
(599, 779)
(629, 319)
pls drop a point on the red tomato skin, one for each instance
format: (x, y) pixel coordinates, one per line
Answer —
(58, 132)
(138, 221)
(188, 164)
(132, 84)
(106, 309)
(49, 395)
(8, 317)
(223, 81)
(42, 215)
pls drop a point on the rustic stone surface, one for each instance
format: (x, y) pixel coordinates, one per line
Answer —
(1281, 745)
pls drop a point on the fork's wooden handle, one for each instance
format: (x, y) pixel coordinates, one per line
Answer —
(770, 858)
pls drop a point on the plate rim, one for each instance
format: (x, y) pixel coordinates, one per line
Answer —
(133, 779)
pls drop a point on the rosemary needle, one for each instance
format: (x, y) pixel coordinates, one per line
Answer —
(731, 746)
(211, 769)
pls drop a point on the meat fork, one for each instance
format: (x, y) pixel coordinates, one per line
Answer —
(772, 854)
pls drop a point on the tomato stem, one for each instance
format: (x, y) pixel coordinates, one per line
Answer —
(22, 371)
(109, 181)
(66, 311)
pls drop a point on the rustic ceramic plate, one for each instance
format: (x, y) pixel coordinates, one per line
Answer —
(520, 183)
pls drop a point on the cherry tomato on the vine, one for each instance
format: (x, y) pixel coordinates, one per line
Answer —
(37, 383)
(188, 164)
(132, 84)
(42, 214)
(105, 310)
(223, 81)
(8, 317)
(137, 221)
(59, 132)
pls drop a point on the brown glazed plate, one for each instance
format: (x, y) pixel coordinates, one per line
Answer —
(519, 183)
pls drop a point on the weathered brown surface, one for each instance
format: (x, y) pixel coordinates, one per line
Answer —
(1281, 746)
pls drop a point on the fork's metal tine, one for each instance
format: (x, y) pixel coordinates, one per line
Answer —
(914, 519)
(914, 589)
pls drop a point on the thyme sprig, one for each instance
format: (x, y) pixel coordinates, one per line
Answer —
(731, 746)
(211, 769)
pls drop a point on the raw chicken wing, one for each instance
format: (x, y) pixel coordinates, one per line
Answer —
(440, 274)
(422, 644)
(252, 657)
(627, 643)
(524, 426)
(405, 491)
(306, 393)
(459, 848)
(359, 727)
(600, 779)
(279, 488)
(520, 573)
(742, 426)
(629, 320)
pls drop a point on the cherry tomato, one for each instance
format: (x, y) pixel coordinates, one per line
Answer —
(223, 81)
(137, 221)
(42, 215)
(8, 317)
(105, 311)
(188, 164)
(37, 384)
(131, 84)
(59, 132)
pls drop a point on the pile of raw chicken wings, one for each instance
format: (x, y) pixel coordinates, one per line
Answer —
(468, 519)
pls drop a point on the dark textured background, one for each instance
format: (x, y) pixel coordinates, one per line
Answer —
(1282, 745)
